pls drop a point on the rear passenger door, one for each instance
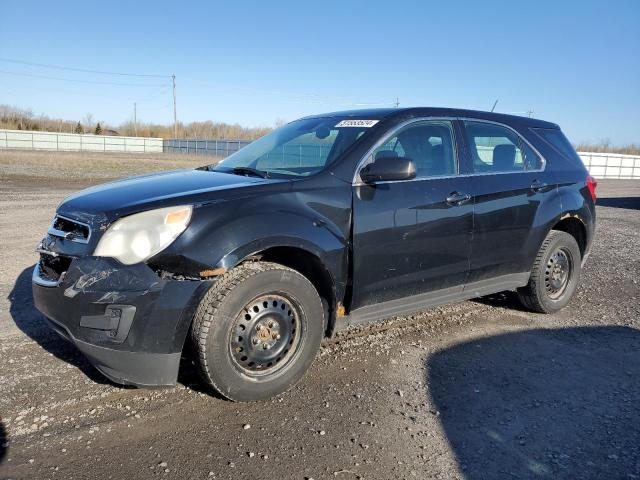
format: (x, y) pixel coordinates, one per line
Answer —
(508, 183)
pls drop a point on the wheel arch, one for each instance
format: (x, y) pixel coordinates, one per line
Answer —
(574, 226)
(560, 211)
(318, 266)
(311, 267)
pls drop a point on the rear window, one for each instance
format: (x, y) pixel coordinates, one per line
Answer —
(559, 142)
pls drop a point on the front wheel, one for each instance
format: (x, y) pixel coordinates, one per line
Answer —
(257, 331)
(555, 274)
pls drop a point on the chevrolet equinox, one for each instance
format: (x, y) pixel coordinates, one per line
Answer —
(329, 221)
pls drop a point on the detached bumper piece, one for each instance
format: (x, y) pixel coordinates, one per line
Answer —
(130, 323)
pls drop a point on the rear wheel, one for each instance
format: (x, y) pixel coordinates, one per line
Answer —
(555, 274)
(257, 331)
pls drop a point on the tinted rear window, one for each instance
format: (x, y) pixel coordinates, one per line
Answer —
(559, 142)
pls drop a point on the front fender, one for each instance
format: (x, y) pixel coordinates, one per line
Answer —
(315, 219)
(294, 231)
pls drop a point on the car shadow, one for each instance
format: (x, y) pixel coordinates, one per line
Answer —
(4, 442)
(189, 373)
(544, 403)
(30, 321)
(506, 299)
(631, 203)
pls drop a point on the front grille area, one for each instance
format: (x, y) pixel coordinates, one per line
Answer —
(51, 268)
(70, 229)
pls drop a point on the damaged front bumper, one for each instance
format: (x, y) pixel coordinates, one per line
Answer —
(128, 321)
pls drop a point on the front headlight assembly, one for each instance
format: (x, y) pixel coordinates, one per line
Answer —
(140, 236)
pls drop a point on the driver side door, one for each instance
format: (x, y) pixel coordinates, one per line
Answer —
(413, 236)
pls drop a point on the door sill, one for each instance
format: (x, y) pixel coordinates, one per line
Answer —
(422, 301)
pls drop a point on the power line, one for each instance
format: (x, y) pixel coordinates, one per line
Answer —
(85, 70)
(93, 92)
(306, 98)
(148, 98)
(157, 107)
(93, 82)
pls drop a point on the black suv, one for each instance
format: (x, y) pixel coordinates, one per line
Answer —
(329, 221)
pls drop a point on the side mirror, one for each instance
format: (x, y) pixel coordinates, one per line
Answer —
(388, 169)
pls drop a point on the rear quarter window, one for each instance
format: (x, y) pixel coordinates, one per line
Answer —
(556, 139)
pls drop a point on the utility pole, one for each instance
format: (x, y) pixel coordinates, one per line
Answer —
(397, 102)
(175, 115)
(135, 119)
(530, 113)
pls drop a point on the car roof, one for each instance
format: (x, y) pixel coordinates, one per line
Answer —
(389, 113)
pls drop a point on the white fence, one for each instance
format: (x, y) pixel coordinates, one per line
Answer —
(73, 142)
(611, 165)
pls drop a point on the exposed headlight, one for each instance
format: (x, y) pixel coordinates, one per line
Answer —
(140, 236)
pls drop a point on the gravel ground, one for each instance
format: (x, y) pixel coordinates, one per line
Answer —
(480, 389)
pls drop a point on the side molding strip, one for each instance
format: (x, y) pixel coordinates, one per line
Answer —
(402, 306)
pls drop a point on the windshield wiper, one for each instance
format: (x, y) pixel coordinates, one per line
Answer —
(250, 171)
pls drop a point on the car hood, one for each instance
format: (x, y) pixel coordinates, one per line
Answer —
(156, 190)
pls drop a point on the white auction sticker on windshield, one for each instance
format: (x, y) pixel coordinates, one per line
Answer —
(356, 123)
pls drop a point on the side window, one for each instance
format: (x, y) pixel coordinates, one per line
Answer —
(429, 144)
(495, 148)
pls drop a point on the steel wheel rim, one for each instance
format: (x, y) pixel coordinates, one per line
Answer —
(265, 335)
(558, 273)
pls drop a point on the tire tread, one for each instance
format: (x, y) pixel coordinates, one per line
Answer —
(531, 294)
(206, 312)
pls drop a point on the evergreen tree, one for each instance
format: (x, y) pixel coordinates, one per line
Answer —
(98, 129)
(79, 128)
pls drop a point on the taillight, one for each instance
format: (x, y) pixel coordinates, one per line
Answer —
(591, 185)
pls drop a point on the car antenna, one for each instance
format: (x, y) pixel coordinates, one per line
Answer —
(494, 105)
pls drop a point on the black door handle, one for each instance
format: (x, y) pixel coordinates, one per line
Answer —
(458, 198)
(537, 185)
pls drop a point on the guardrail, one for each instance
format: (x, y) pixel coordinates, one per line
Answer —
(76, 142)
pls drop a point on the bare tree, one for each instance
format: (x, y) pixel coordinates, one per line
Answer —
(87, 121)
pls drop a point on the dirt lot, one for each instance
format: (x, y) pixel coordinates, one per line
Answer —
(480, 389)
(68, 168)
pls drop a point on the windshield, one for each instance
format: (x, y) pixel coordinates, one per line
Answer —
(298, 149)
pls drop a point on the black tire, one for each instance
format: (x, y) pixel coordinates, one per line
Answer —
(549, 289)
(257, 331)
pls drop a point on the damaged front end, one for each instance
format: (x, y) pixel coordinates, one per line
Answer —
(130, 321)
